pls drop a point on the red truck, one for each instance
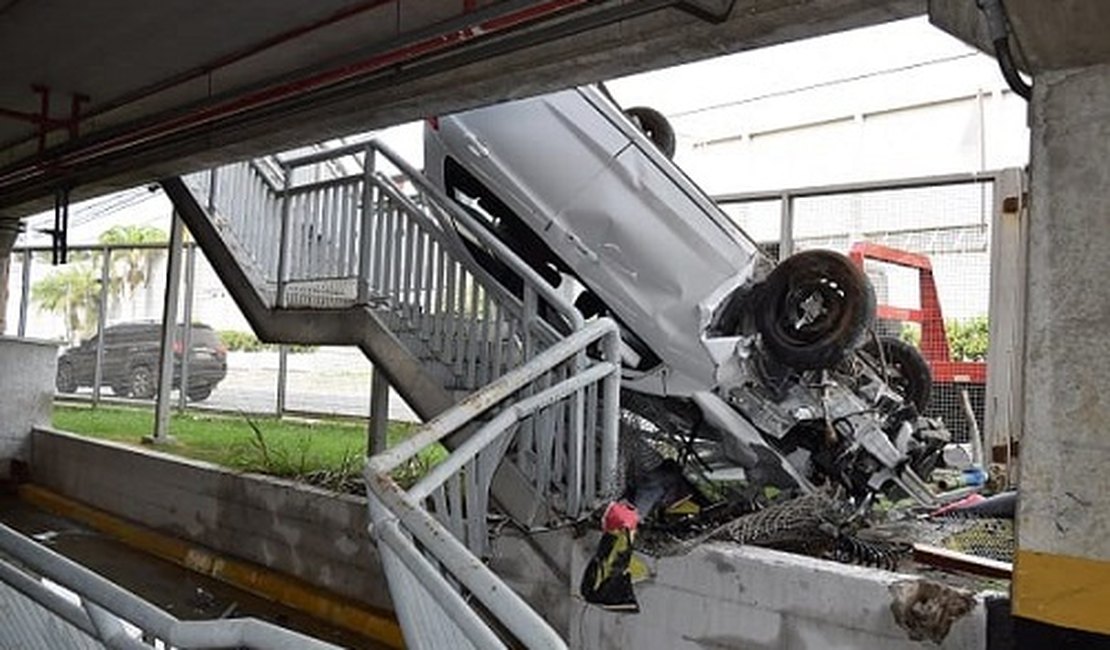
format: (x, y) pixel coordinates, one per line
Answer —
(949, 376)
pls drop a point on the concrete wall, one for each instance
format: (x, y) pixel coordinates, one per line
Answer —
(317, 536)
(729, 596)
(26, 394)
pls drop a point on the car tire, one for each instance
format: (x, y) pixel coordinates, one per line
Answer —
(121, 388)
(828, 290)
(199, 393)
(906, 370)
(142, 384)
(65, 381)
(655, 126)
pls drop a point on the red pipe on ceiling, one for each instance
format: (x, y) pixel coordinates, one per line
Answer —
(287, 90)
(218, 63)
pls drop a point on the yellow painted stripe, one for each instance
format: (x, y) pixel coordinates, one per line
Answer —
(258, 580)
(1066, 591)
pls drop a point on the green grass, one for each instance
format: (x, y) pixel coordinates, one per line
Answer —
(328, 453)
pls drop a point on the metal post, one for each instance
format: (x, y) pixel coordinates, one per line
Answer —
(786, 225)
(283, 243)
(169, 330)
(212, 179)
(24, 297)
(101, 322)
(283, 371)
(187, 319)
(366, 223)
(377, 441)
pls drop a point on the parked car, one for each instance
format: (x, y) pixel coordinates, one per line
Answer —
(130, 361)
(730, 360)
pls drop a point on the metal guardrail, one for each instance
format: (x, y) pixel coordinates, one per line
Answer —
(390, 242)
(387, 240)
(432, 536)
(105, 611)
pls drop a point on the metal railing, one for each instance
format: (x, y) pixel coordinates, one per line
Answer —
(389, 240)
(117, 618)
(553, 414)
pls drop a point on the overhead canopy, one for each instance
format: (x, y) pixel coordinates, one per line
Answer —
(136, 90)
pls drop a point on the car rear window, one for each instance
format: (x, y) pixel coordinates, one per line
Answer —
(205, 337)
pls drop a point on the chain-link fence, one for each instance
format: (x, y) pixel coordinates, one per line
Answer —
(105, 306)
(925, 244)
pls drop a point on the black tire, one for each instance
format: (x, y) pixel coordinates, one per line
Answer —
(65, 381)
(655, 126)
(142, 384)
(907, 371)
(814, 308)
(121, 388)
(199, 393)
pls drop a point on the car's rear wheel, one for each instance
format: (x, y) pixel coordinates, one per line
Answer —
(907, 371)
(655, 126)
(142, 382)
(65, 381)
(199, 393)
(814, 307)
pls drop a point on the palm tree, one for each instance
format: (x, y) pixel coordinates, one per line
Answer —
(135, 262)
(72, 291)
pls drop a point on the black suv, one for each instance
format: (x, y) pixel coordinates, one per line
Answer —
(130, 363)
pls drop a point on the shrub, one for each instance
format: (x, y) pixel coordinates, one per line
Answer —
(968, 340)
(237, 341)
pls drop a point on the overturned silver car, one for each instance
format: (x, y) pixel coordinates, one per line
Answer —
(746, 372)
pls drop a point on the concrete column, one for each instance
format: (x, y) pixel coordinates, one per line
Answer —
(1063, 562)
(27, 370)
(9, 230)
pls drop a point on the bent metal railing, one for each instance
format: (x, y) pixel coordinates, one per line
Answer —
(115, 617)
(387, 239)
(431, 537)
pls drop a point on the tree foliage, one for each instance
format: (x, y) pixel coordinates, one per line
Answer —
(74, 290)
(968, 339)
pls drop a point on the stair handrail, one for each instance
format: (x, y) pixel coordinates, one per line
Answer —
(503, 251)
(442, 207)
(397, 513)
(103, 606)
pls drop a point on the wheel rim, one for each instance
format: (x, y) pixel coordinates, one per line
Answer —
(140, 383)
(814, 307)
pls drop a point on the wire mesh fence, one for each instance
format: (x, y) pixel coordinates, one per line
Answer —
(925, 246)
(104, 308)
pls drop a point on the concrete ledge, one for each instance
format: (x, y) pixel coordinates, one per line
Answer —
(315, 536)
(27, 386)
(729, 596)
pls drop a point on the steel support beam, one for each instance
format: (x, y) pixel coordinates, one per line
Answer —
(169, 331)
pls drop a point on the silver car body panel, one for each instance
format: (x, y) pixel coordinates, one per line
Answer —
(636, 231)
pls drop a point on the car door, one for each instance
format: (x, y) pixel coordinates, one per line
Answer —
(83, 361)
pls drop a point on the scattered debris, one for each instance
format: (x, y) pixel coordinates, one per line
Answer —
(956, 561)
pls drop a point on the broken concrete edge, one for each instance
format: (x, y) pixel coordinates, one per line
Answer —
(291, 591)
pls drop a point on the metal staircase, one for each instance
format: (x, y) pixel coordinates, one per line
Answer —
(353, 246)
